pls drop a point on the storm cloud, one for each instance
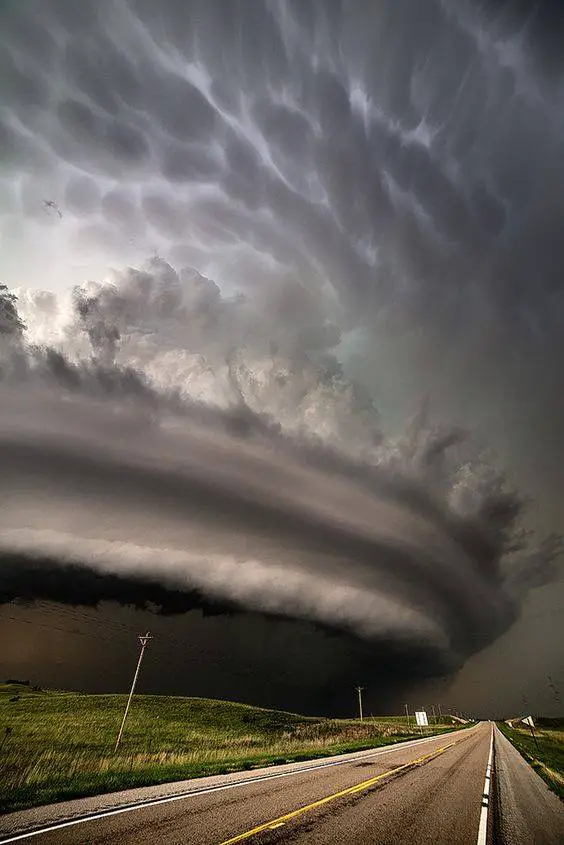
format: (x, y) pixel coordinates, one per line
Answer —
(122, 471)
(298, 137)
(349, 207)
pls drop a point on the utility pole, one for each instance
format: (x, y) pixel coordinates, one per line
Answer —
(434, 714)
(440, 713)
(144, 639)
(407, 715)
(359, 691)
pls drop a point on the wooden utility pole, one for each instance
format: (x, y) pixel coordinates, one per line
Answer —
(144, 639)
(359, 691)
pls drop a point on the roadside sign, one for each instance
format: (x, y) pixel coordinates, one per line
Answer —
(421, 718)
(528, 720)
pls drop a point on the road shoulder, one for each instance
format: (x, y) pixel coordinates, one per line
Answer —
(51, 814)
(526, 811)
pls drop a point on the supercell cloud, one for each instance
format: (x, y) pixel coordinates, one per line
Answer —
(348, 205)
(278, 493)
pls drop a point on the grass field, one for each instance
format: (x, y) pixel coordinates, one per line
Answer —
(548, 758)
(59, 745)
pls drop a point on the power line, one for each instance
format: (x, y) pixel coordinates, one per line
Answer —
(87, 620)
(163, 647)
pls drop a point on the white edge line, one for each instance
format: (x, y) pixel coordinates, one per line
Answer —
(153, 802)
(483, 828)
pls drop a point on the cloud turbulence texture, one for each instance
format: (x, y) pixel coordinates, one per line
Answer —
(110, 464)
(163, 436)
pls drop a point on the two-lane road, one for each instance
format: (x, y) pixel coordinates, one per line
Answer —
(428, 791)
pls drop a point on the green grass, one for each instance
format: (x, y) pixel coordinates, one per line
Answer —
(548, 758)
(60, 744)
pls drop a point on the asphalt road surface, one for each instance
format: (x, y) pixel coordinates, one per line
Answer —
(430, 791)
(524, 808)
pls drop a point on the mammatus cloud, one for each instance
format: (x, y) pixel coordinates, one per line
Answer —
(362, 207)
(414, 191)
(295, 138)
(148, 448)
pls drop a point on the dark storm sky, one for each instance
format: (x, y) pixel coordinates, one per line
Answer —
(383, 182)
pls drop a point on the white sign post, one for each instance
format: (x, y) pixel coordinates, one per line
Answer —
(528, 720)
(421, 719)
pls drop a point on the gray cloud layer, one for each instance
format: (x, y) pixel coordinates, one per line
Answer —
(417, 187)
(295, 135)
(389, 212)
(312, 513)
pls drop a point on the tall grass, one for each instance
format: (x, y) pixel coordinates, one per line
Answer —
(546, 756)
(60, 745)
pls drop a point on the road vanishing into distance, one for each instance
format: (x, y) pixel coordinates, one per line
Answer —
(434, 790)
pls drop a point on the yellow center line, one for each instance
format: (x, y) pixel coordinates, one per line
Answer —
(351, 790)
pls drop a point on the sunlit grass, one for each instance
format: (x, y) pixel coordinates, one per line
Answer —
(547, 755)
(60, 745)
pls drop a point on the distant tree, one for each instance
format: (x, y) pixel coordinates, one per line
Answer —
(10, 321)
